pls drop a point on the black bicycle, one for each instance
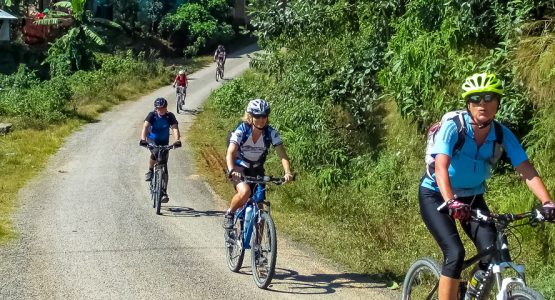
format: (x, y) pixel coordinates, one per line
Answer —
(422, 279)
(254, 229)
(220, 70)
(159, 181)
(180, 99)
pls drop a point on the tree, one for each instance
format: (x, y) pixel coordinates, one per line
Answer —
(74, 50)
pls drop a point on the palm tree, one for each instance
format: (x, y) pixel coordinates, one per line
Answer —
(74, 50)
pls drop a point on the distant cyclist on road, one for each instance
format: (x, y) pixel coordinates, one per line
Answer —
(181, 81)
(157, 126)
(247, 150)
(220, 55)
(457, 181)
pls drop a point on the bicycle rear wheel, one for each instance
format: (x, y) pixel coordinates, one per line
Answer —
(234, 252)
(524, 293)
(264, 250)
(158, 177)
(422, 280)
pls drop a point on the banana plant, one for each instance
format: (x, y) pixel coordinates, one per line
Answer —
(73, 48)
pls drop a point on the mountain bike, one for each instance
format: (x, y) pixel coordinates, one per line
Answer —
(159, 181)
(180, 99)
(220, 70)
(254, 229)
(422, 279)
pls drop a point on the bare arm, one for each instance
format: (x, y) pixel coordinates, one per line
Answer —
(144, 131)
(535, 184)
(442, 163)
(230, 155)
(284, 161)
(176, 132)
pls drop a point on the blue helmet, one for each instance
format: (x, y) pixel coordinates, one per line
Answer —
(160, 102)
(258, 107)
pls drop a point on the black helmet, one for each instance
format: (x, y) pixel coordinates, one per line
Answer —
(160, 102)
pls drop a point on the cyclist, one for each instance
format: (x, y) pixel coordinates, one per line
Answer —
(158, 124)
(181, 81)
(220, 55)
(458, 179)
(246, 153)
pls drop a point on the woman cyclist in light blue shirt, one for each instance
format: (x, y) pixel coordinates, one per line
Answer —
(458, 177)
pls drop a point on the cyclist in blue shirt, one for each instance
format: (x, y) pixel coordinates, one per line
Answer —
(248, 145)
(157, 125)
(458, 179)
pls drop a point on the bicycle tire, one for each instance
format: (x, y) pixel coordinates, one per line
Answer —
(152, 190)
(421, 281)
(235, 252)
(264, 260)
(177, 103)
(524, 293)
(158, 188)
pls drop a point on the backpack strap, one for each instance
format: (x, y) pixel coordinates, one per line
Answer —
(498, 132)
(461, 131)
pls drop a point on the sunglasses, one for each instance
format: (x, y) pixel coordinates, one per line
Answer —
(487, 97)
(259, 116)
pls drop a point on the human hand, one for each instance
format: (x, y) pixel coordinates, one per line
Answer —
(288, 177)
(177, 144)
(143, 143)
(548, 211)
(458, 210)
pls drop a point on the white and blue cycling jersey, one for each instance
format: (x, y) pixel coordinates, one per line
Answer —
(470, 166)
(250, 151)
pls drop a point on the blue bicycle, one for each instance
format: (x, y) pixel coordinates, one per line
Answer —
(254, 229)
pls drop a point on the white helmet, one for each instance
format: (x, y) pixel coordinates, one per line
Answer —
(181, 72)
(258, 107)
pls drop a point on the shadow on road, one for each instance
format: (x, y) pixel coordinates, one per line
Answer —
(193, 112)
(313, 284)
(182, 211)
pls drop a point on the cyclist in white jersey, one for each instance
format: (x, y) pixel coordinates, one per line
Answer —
(248, 145)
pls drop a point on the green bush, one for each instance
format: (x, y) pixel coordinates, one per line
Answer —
(196, 25)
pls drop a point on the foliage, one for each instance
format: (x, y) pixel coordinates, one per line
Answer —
(153, 12)
(74, 50)
(354, 84)
(25, 97)
(197, 24)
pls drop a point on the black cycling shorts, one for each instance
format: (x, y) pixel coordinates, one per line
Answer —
(443, 228)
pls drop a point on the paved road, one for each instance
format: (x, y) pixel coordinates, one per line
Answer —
(88, 231)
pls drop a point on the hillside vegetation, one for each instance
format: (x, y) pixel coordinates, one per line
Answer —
(353, 86)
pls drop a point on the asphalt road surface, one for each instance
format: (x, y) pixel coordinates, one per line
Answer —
(87, 229)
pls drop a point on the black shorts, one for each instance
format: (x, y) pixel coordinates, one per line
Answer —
(444, 229)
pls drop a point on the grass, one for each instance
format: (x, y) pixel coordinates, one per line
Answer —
(24, 153)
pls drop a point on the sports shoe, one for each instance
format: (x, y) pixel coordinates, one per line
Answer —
(228, 221)
(148, 175)
(165, 198)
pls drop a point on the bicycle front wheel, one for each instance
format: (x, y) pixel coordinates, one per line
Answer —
(524, 293)
(264, 250)
(422, 280)
(158, 176)
(234, 250)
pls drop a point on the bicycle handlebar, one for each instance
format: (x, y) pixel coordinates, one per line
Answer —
(533, 216)
(153, 146)
(264, 179)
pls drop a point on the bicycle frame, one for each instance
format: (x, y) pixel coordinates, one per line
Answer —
(500, 255)
(240, 216)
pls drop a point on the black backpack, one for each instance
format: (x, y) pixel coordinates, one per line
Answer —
(266, 136)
